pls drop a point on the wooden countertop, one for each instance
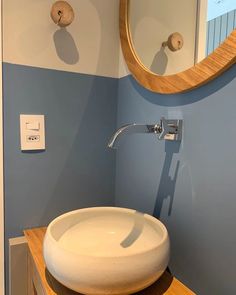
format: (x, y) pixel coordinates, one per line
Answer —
(166, 285)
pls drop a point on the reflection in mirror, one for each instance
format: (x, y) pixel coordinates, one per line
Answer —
(171, 36)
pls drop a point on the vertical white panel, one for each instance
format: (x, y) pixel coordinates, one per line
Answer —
(18, 266)
(1, 170)
(201, 30)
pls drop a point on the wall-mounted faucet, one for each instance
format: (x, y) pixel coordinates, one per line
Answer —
(166, 129)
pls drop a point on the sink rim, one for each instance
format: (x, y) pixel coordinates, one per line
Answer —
(153, 220)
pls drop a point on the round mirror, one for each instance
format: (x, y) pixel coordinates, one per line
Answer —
(173, 46)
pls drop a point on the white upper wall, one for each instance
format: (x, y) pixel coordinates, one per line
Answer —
(89, 45)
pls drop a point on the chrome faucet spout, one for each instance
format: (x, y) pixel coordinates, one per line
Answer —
(133, 128)
(167, 130)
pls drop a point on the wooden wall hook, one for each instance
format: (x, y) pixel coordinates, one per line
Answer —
(62, 13)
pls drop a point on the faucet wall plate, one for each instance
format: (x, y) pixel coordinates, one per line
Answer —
(171, 130)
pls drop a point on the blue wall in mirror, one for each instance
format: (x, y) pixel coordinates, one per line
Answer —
(217, 8)
(218, 29)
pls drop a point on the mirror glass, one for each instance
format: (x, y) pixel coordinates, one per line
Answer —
(170, 36)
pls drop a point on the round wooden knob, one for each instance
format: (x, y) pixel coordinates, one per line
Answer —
(62, 13)
(175, 42)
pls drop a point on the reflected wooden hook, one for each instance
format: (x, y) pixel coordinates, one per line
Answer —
(175, 42)
(62, 13)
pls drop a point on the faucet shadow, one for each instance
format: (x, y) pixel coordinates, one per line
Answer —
(167, 184)
(135, 231)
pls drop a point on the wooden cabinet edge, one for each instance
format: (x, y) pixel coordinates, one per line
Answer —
(35, 286)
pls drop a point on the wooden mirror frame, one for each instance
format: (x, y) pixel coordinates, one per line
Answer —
(206, 70)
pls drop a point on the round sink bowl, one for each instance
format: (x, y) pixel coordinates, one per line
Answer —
(106, 250)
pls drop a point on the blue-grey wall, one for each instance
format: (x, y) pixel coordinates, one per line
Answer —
(76, 170)
(191, 187)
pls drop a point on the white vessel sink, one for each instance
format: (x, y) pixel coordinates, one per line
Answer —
(106, 250)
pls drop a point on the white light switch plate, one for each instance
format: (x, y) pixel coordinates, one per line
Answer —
(32, 132)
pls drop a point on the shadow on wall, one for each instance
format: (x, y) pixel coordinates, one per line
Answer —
(136, 230)
(167, 185)
(160, 62)
(188, 97)
(65, 46)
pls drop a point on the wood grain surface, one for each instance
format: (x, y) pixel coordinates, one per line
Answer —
(166, 285)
